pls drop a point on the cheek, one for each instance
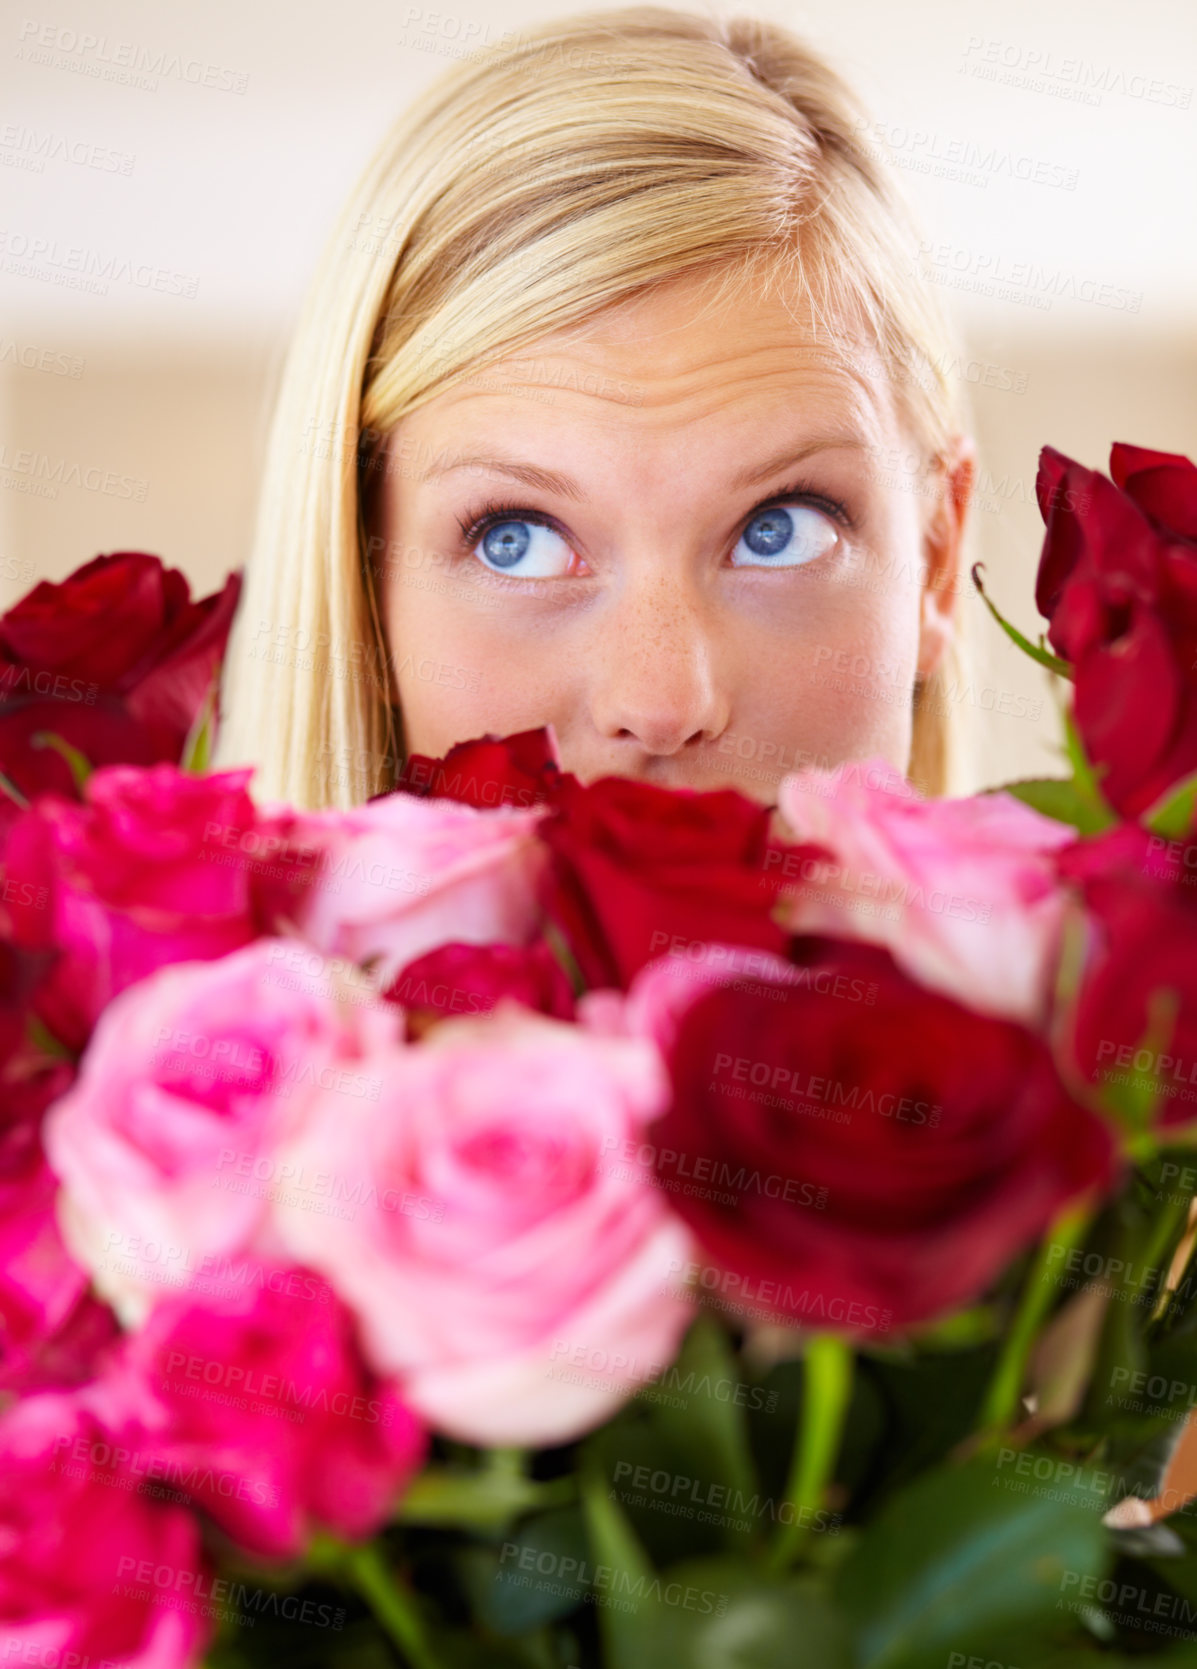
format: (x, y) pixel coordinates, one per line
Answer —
(841, 677)
(875, 618)
(432, 663)
(870, 616)
(440, 695)
(458, 674)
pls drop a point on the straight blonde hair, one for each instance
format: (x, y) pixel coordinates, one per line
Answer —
(534, 184)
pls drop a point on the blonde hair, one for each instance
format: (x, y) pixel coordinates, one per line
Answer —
(534, 184)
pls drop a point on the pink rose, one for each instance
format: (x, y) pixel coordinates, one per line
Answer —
(150, 869)
(962, 892)
(262, 1412)
(40, 1283)
(50, 1328)
(656, 1001)
(90, 1572)
(165, 1142)
(403, 875)
(510, 1255)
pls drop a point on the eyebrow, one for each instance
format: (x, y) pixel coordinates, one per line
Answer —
(550, 481)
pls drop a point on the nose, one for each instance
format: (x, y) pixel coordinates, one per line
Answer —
(653, 671)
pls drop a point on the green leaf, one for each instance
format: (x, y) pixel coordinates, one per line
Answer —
(1161, 1396)
(328, 1639)
(931, 1403)
(1083, 772)
(688, 1430)
(369, 1567)
(80, 766)
(1117, 1250)
(1053, 663)
(1178, 1572)
(962, 1330)
(1155, 1596)
(1058, 798)
(1173, 813)
(544, 1572)
(1183, 1657)
(711, 1433)
(613, 1543)
(485, 1501)
(197, 748)
(722, 1614)
(956, 1563)
(625, 1452)
(457, 1650)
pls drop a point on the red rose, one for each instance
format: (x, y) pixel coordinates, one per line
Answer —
(641, 872)
(522, 769)
(117, 659)
(1117, 582)
(1140, 896)
(856, 1151)
(1162, 484)
(20, 974)
(103, 731)
(114, 621)
(471, 979)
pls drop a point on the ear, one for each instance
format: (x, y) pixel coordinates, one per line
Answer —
(943, 540)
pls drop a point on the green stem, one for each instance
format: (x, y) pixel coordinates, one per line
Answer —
(78, 763)
(197, 746)
(365, 1567)
(1044, 656)
(14, 793)
(1170, 1228)
(1000, 1407)
(507, 1463)
(828, 1372)
(556, 942)
(43, 1039)
(1161, 1313)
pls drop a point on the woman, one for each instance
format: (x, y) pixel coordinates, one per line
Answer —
(618, 403)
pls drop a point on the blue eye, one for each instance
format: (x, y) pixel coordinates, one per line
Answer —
(507, 539)
(525, 548)
(778, 537)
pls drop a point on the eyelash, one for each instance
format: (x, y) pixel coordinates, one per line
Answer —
(495, 511)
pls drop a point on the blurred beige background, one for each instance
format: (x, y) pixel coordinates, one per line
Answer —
(169, 175)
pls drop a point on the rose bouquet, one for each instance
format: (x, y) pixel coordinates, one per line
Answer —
(526, 1223)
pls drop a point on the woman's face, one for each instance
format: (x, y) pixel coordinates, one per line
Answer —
(683, 535)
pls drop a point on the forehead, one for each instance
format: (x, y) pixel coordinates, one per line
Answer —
(697, 352)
